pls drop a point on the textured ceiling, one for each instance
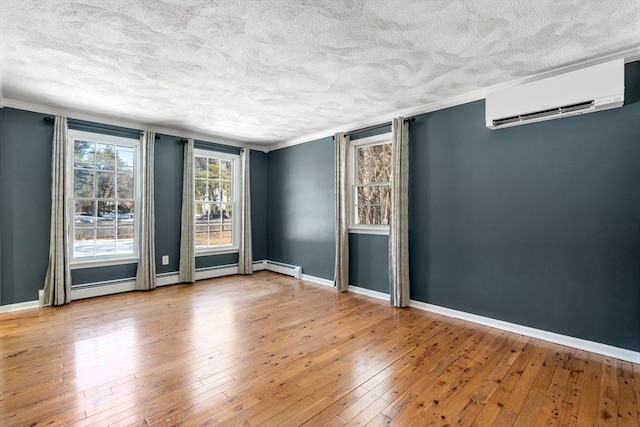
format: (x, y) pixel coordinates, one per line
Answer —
(274, 70)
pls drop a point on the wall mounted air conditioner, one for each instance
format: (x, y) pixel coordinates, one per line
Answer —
(595, 88)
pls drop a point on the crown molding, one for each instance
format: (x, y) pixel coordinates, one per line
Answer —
(629, 55)
(43, 109)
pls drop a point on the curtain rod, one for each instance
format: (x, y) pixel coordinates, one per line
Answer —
(50, 120)
(378, 126)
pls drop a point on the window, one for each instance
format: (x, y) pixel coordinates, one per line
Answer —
(216, 191)
(104, 189)
(371, 184)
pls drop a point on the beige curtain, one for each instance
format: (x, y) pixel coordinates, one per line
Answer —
(57, 282)
(146, 275)
(245, 258)
(187, 229)
(341, 279)
(399, 221)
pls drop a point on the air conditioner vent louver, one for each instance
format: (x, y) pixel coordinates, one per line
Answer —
(586, 90)
(545, 113)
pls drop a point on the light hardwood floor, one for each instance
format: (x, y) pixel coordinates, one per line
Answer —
(271, 350)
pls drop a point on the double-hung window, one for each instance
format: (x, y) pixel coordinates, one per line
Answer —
(370, 177)
(216, 181)
(104, 195)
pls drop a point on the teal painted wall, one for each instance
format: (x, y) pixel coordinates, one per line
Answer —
(301, 207)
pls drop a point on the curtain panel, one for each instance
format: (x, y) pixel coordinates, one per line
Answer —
(187, 272)
(341, 278)
(57, 283)
(245, 257)
(146, 274)
(399, 220)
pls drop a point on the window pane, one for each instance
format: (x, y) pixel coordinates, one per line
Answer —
(202, 236)
(105, 157)
(226, 192)
(369, 195)
(105, 241)
(125, 159)
(83, 243)
(374, 163)
(214, 169)
(385, 212)
(125, 186)
(124, 245)
(226, 237)
(375, 214)
(363, 215)
(84, 213)
(104, 193)
(200, 167)
(228, 212)
(374, 172)
(105, 185)
(83, 183)
(201, 190)
(215, 236)
(385, 196)
(364, 154)
(216, 212)
(386, 153)
(125, 214)
(225, 169)
(383, 172)
(106, 214)
(84, 154)
(214, 191)
(202, 213)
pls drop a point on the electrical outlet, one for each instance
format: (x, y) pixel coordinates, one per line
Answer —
(165, 259)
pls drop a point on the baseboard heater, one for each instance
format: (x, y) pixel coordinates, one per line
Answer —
(124, 281)
(217, 267)
(282, 268)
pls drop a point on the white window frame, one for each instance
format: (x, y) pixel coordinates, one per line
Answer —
(98, 261)
(236, 201)
(353, 158)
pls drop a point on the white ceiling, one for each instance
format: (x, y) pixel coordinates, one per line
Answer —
(275, 70)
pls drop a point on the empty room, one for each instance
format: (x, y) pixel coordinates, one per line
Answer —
(319, 212)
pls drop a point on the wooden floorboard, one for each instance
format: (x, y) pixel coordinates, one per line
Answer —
(269, 350)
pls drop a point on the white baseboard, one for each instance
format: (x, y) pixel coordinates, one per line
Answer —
(579, 343)
(318, 280)
(19, 306)
(369, 293)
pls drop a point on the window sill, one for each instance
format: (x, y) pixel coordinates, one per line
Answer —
(223, 251)
(384, 231)
(78, 265)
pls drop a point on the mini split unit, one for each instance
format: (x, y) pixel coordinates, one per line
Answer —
(596, 88)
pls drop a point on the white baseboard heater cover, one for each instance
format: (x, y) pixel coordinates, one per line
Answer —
(282, 268)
